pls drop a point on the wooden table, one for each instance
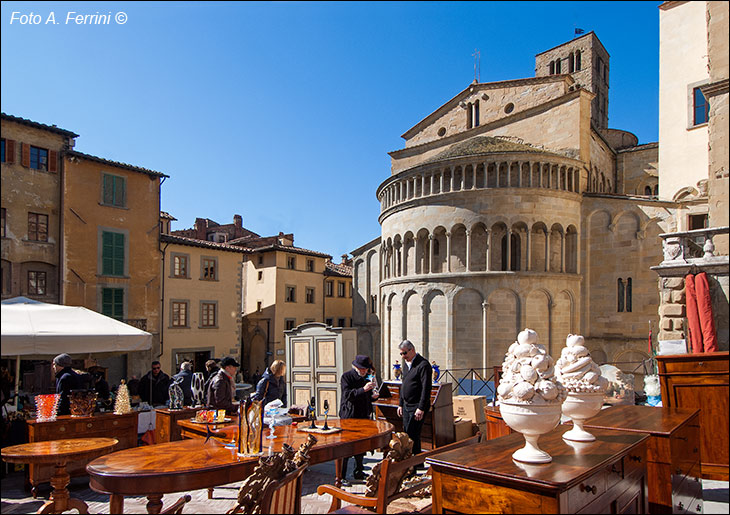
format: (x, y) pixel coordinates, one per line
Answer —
(100, 425)
(59, 453)
(673, 452)
(701, 381)
(605, 476)
(191, 464)
(166, 428)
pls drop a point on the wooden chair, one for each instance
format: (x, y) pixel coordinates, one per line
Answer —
(379, 503)
(177, 507)
(283, 496)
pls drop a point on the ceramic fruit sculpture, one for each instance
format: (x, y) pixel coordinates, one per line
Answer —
(122, 405)
(586, 388)
(529, 394)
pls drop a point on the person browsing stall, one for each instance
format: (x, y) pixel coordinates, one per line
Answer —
(66, 380)
(272, 384)
(415, 392)
(222, 389)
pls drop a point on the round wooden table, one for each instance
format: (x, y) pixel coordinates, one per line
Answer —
(59, 452)
(192, 464)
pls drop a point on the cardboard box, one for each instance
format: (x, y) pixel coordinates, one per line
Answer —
(462, 428)
(471, 407)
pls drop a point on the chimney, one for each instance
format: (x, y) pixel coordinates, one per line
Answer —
(201, 227)
(344, 259)
(238, 221)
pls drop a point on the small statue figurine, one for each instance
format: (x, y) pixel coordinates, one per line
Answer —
(436, 371)
(312, 413)
(326, 412)
(176, 394)
(397, 371)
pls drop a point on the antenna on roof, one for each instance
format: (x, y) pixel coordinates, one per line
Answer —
(477, 65)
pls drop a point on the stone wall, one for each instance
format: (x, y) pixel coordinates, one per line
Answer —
(638, 168)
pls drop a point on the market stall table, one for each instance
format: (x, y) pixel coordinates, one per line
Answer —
(58, 453)
(193, 464)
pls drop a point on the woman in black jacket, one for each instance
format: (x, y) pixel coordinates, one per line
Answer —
(358, 394)
(272, 385)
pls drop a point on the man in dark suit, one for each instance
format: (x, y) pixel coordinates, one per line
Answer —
(357, 402)
(415, 392)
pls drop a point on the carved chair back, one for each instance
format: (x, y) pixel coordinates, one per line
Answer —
(285, 496)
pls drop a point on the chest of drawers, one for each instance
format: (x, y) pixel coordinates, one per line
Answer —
(121, 427)
(605, 476)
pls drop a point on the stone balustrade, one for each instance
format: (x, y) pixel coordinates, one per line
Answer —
(684, 247)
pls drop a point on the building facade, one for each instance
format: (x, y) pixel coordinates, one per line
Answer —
(202, 300)
(504, 210)
(32, 168)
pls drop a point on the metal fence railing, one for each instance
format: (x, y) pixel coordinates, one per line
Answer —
(470, 381)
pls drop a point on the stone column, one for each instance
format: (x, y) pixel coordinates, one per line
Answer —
(448, 251)
(424, 329)
(389, 347)
(509, 249)
(547, 250)
(485, 349)
(423, 185)
(451, 179)
(528, 251)
(408, 189)
(519, 174)
(562, 252)
(468, 251)
(441, 182)
(474, 177)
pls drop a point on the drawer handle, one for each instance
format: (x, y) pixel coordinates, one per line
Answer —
(62, 428)
(683, 438)
(637, 459)
(586, 488)
(615, 469)
(695, 450)
(89, 425)
(116, 423)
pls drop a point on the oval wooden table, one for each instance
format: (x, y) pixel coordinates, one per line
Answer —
(59, 453)
(193, 464)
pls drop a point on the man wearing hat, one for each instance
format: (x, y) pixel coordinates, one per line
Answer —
(357, 402)
(222, 389)
(66, 380)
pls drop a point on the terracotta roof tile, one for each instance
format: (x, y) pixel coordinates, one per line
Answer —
(182, 240)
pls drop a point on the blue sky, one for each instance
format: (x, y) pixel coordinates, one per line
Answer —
(284, 112)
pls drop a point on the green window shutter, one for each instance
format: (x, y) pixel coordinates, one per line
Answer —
(108, 189)
(107, 297)
(120, 192)
(118, 303)
(118, 266)
(107, 253)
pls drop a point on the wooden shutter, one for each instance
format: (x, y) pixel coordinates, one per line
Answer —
(52, 161)
(25, 155)
(107, 301)
(107, 253)
(118, 303)
(118, 253)
(9, 151)
(120, 192)
(108, 189)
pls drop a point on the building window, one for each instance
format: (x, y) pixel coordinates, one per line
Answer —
(620, 294)
(208, 314)
(577, 60)
(261, 260)
(114, 190)
(36, 283)
(701, 107)
(112, 253)
(209, 269)
(179, 314)
(328, 321)
(310, 265)
(656, 190)
(557, 66)
(112, 302)
(340, 322)
(291, 262)
(2, 222)
(38, 158)
(261, 276)
(290, 323)
(291, 294)
(552, 67)
(329, 288)
(2, 150)
(259, 306)
(180, 266)
(647, 191)
(340, 289)
(37, 227)
(469, 115)
(309, 296)
(628, 295)
(476, 113)
(571, 62)
(373, 303)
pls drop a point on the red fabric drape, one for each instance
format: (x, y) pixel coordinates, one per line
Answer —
(704, 309)
(693, 318)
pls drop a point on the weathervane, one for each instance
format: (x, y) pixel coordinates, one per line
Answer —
(477, 64)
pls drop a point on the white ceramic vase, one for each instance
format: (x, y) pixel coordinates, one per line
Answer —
(532, 420)
(580, 407)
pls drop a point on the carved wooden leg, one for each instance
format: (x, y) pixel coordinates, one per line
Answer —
(80, 505)
(49, 507)
(210, 493)
(59, 496)
(116, 503)
(154, 503)
(338, 473)
(34, 491)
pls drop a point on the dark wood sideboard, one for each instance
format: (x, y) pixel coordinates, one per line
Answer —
(438, 428)
(701, 381)
(673, 452)
(605, 476)
(166, 428)
(101, 425)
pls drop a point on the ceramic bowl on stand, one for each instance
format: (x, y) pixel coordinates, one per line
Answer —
(532, 420)
(580, 407)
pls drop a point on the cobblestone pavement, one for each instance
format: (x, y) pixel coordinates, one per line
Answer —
(16, 500)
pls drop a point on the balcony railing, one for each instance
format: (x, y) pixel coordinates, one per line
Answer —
(684, 247)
